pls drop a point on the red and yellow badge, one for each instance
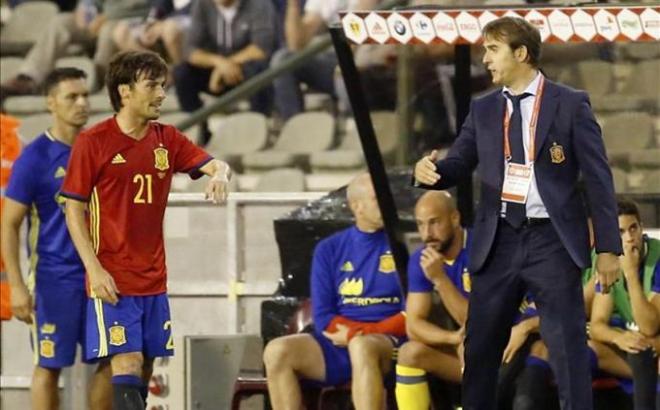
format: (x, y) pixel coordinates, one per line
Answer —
(386, 264)
(161, 161)
(117, 335)
(47, 348)
(557, 153)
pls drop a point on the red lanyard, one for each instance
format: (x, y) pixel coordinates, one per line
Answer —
(532, 124)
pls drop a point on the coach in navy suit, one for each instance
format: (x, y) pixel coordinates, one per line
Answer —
(529, 141)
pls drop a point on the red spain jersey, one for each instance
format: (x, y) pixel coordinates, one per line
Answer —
(126, 183)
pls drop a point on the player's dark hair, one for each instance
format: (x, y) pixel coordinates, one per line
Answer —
(628, 207)
(61, 74)
(516, 32)
(128, 68)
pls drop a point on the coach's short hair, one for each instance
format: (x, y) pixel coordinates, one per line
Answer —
(128, 67)
(61, 74)
(516, 32)
(628, 207)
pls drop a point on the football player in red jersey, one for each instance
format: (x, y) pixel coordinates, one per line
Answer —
(120, 171)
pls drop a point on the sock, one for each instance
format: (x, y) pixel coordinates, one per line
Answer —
(412, 390)
(126, 392)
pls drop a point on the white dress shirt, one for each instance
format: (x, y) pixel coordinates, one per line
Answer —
(534, 206)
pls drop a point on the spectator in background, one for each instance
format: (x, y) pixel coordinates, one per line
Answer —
(229, 41)
(300, 27)
(91, 25)
(165, 28)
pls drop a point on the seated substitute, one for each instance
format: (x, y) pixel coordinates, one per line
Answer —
(441, 263)
(628, 318)
(357, 304)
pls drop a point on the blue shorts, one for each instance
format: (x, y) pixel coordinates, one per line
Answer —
(338, 362)
(135, 324)
(57, 326)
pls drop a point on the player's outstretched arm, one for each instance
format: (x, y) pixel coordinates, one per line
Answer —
(217, 188)
(13, 214)
(101, 283)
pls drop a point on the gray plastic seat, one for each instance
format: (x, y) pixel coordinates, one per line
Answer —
(32, 126)
(100, 102)
(239, 133)
(641, 91)
(281, 180)
(628, 131)
(302, 135)
(596, 77)
(26, 105)
(349, 156)
(9, 67)
(175, 118)
(620, 178)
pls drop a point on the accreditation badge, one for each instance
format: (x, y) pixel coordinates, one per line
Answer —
(517, 180)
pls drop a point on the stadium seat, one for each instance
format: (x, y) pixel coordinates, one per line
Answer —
(349, 156)
(32, 126)
(620, 180)
(596, 77)
(281, 180)
(627, 131)
(100, 102)
(646, 158)
(9, 67)
(302, 135)
(26, 105)
(641, 91)
(14, 38)
(238, 134)
(175, 118)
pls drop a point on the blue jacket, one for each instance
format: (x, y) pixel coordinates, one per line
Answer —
(565, 121)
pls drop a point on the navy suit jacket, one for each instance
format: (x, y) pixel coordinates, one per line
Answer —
(565, 119)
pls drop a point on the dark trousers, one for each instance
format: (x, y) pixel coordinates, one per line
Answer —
(191, 80)
(529, 259)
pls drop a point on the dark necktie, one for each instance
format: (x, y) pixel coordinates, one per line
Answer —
(515, 213)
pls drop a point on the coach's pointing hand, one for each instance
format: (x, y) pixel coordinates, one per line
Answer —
(425, 170)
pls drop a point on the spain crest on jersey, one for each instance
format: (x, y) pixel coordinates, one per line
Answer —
(47, 348)
(162, 162)
(117, 335)
(386, 264)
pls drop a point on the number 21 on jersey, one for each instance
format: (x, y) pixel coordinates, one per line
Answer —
(144, 190)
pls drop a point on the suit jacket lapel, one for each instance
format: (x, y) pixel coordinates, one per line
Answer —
(549, 104)
(496, 135)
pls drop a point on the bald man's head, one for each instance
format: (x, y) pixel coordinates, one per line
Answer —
(361, 198)
(437, 219)
(439, 201)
